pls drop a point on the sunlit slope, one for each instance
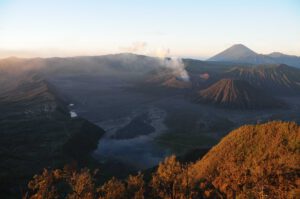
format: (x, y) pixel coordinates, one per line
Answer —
(234, 93)
(255, 158)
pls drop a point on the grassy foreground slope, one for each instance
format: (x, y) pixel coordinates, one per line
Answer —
(255, 160)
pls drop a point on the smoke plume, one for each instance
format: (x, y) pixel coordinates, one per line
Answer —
(174, 63)
(178, 68)
(164, 55)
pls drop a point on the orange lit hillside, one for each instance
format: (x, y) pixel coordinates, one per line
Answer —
(255, 159)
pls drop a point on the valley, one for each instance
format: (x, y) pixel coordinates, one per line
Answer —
(142, 127)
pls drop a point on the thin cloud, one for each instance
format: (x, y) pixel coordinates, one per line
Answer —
(136, 47)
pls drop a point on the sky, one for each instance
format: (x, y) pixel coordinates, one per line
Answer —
(185, 28)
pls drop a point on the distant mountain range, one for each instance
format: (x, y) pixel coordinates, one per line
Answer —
(241, 54)
(276, 79)
(147, 72)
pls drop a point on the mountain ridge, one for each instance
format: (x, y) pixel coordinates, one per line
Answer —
(275, 79)
(240, 53)
(37, 132)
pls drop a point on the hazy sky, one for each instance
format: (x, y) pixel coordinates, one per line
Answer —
(190, 28)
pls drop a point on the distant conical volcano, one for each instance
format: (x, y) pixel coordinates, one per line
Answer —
(235, 51)
(236, 94)
(241, 54)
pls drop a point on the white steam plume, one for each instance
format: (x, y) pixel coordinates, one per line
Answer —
(174, 63)
(178, 68)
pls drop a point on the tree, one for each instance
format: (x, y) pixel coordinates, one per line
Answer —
(113, 189)
(174, 180)
(166, 181)
(135, 187)
(47, 185)
(82, 185)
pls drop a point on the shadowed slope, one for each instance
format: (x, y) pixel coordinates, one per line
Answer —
(37, 131)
